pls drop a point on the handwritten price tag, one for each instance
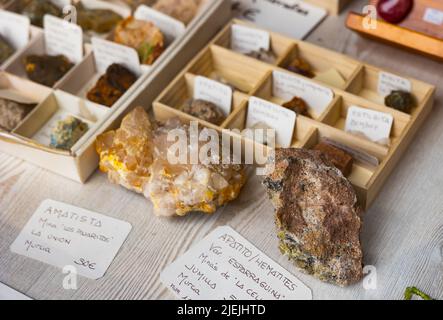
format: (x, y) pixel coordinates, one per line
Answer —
(274, 116)
(215, 92)
(14, 28)
(245, 39)
(224, 265)
(60, 234)
(388, 82)
(286, 86)
(373, 124)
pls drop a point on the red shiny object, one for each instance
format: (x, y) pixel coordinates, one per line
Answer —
(394, 11)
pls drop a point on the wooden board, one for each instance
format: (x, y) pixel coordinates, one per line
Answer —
(251, 77)
(413, 33)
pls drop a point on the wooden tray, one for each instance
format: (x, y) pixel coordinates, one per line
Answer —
(82, 160)
(253, 78)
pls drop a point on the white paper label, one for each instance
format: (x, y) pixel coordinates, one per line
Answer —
(107, 53)
(169, 26)
(14, 28)
(274, 116)
(374, 125)
(433, 16)
(63, 37)
(245, 39)
(215, 92)
(293, 18)
(224, 265)
(287, 86)
(64, 235)
(388, 82)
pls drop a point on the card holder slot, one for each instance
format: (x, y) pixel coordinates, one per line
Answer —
(327, 67)
(365, 84)
(280, 45)
(57, 106)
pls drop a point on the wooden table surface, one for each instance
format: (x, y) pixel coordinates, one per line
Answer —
(402, 234)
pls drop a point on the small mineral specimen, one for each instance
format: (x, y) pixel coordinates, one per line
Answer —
(317, 215)
(6, 50)
(339, 158)
(67, 132)
(400, 100)
(36, 10)
(46, 69)
(143, 36)
(136, 157)
(394, 11)
(182, 10)
(263, 55)
(97, 20)
(298, 105)
(302, 67)
(12, 113)
(203, 110)
(112, 85)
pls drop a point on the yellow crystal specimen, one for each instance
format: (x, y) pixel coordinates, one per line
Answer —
(136, 156)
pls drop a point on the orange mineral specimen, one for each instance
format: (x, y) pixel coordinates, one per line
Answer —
(138, 157)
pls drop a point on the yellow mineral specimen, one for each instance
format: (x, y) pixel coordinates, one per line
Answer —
(136, 156)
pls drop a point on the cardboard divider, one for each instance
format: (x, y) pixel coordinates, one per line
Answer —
(220, 64)
(366, 83)
(280, 45)
(336, 115)
(17, 67)
(57, 106)
(323, 61)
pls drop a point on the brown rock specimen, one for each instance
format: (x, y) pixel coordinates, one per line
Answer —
(298, 105)
(339, 158)
(46, 69)
(302, 67)
(317, 215)
(182, 10)
(203, 110)
(112, 85)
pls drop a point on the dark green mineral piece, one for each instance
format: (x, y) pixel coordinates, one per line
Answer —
(400, 100)
(97, 20)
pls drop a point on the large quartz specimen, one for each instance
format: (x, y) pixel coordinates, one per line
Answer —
(136, 156)
(317, 215)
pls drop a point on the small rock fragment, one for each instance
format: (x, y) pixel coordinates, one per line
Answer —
(400, 100)
(317, 215)
(339, 158)
(46, 69)
(67, 133)
(302, 67)
(203, 110)
(12, 113)
(297, 105)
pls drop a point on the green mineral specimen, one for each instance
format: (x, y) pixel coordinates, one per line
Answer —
(5, 50)
(67, 132)
(410, 291)
(97, 20)
(36, 10)
(400, 100)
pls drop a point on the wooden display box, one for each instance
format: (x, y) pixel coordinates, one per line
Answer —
(253, 78)
(333, 6)
(29, 140)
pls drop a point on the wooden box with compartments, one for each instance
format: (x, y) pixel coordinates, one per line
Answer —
(332, 88)
(42, 111)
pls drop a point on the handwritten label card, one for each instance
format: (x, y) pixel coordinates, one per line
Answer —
(374, 125)
(169, 26)
(226, 266)
(387, 82)
(14, 28)
(274, 116)
(287, 86)
(108, 52)
(63, 37)
(433, 16)
(215, 92)
(60, 234)
(245, 39)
